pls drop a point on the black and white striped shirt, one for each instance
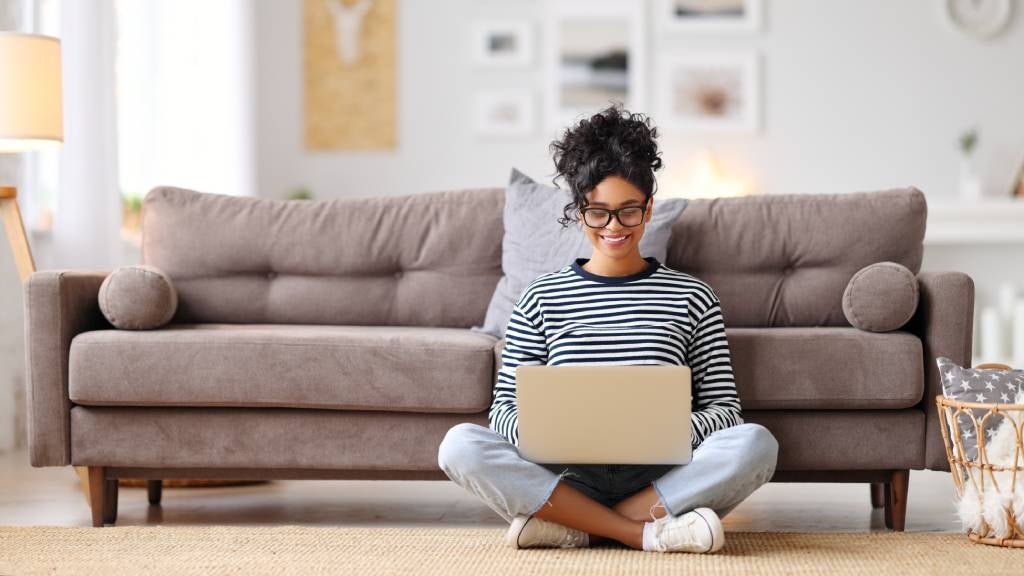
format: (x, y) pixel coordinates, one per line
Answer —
(656, 316)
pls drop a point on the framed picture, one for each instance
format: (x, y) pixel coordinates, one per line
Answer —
(711, 15)
(350, 44)
(709, 92)
(1017, 186)
(594, 55)
(508, 113)
(502, 43)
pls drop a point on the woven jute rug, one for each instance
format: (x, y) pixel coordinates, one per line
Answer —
(285, 550)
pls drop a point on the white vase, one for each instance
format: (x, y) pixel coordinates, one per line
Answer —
(1018, 334)
(993, 341)
(970, 183)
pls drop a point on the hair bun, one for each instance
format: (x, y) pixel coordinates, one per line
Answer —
(613, 142)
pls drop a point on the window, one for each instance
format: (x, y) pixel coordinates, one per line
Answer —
(182, 101)
(184, 95)
(41, 168)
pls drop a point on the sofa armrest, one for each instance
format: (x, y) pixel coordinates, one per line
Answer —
(59, 304)
(945, 322)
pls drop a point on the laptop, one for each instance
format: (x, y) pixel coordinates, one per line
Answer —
(604, 414)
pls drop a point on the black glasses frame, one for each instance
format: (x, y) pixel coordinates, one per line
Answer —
(613, 213)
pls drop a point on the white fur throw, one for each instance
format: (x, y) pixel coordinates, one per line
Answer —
(985, 514)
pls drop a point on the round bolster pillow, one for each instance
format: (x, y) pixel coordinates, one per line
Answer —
(881, 297)
(138, 297)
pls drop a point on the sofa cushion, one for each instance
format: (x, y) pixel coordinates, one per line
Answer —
(785, 259)
(826, 368)
(403, 369)
(822, 368)
(428, 259)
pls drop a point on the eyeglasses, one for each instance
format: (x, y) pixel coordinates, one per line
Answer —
(628, 216)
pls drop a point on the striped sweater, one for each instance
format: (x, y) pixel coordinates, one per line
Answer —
(656, 316)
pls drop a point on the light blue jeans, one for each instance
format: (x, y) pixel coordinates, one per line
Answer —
(726, 468)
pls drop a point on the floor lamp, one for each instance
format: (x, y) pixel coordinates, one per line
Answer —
(31, 118)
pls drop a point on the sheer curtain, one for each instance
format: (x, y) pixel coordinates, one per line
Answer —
(155, 92)
(185, 95)
(87, 218)
(12, 350)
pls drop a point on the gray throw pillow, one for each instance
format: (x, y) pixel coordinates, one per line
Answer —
(988, 385)
(535, 243)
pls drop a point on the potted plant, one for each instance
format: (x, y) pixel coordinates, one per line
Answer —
(970, 183)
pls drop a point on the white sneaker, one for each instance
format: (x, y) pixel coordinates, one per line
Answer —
(699, 531)
(531, 532)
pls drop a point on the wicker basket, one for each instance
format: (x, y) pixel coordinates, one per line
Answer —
(979, 472)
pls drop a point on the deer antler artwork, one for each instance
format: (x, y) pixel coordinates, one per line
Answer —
(348, 24)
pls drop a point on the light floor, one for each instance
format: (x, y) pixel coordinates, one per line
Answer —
(51, 496)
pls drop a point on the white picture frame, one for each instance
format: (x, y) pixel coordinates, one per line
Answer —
(576, 31)
(711, 92)
(717, 18)
(508, 113)
(502, 43)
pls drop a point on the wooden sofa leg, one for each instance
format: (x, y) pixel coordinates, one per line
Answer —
(96, 493)
(877, 494)
(110, 501)
(155, 490)
(102, 497)
(896, 500)
(887, 497)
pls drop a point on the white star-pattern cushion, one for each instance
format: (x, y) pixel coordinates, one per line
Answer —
(989, 385)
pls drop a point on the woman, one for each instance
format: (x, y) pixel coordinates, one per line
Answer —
(615, 306)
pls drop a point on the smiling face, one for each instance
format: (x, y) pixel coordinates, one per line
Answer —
(615, 242)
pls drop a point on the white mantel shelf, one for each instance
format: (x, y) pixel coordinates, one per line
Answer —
(989, 221)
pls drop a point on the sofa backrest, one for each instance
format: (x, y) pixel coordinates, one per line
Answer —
(419, 260)
(434, 259)
(785, 260)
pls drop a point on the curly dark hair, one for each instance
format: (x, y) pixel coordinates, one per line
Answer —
(613, 142)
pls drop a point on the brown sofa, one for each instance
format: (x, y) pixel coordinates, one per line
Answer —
(330, 339)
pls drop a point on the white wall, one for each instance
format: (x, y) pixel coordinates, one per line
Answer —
(435, 83)
(185, 114)
(857, 95)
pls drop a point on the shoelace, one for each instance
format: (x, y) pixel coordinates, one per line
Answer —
(573, 538)
(562, 535)
(670, 526)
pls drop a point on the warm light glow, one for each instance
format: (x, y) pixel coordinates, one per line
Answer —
(30, 99)
(11, 145)
(708, 180)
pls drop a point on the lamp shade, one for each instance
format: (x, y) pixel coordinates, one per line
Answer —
(30, 92)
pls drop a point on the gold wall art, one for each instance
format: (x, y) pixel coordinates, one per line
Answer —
(350, 95)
